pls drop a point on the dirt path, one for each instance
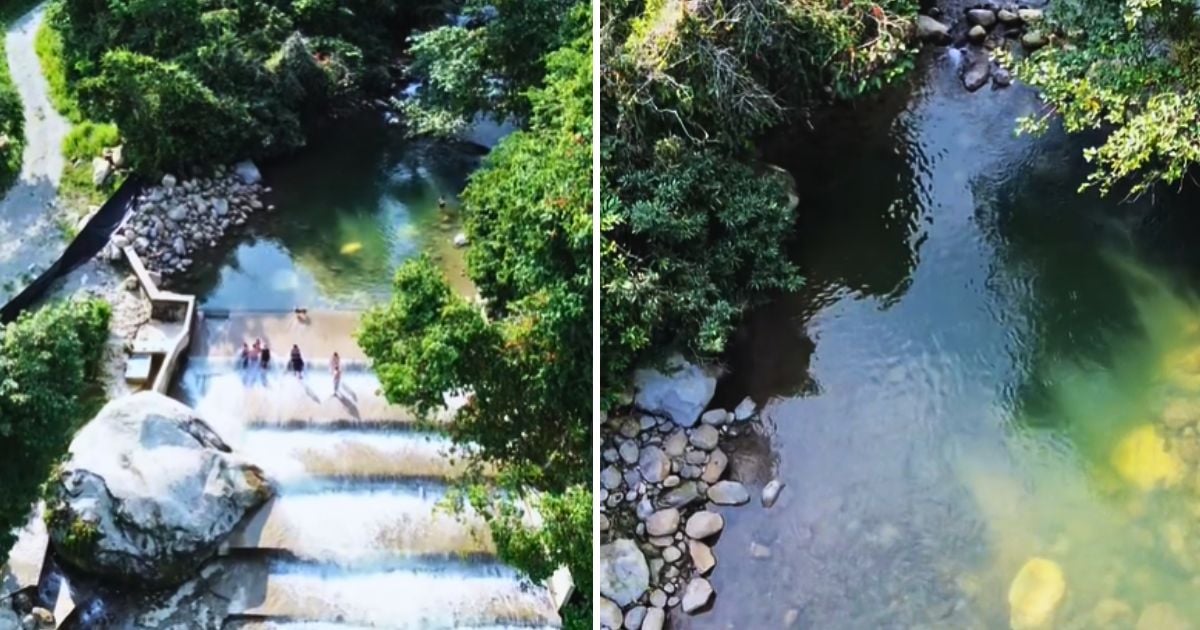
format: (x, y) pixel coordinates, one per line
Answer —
(30, 239)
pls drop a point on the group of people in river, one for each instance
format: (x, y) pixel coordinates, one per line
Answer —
(258, 356)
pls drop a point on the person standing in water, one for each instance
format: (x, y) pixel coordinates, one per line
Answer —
(335, 365)
(296, 362)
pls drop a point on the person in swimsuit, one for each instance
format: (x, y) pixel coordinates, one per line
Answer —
(335, 364)
(296, 363)
(244, 356)
(265, 357)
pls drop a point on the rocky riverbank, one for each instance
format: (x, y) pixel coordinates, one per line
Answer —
(663, 466)
(172, 222)
(986, 35)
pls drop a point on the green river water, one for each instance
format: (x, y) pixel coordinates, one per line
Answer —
(986, 367)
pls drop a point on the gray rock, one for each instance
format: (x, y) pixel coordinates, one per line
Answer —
(676, 443)
(658, 599)
(101, 171)
(633, 618)
(1030, 16)
(461, 240)
(759, 551)
(931, 30)
(684, 494)
(644, 509)
(976, 72)
(696, 457)
(704, 437)
(609, 614)
(610, 478)
(1034, 39)
(624, 576)
(715, 417)
(220, 207)
(663, 522)
(118, 156)
(179, 245)
(680, 393)
(611, 455)
(247, 172)
(977, 33)
(715, 468)
(771, 491)
(673, 601)
(744, 410)
(696, 595)
(702, 557)
(177, 213)
(690, 471)
(728, 493)
(981, 17)
(168, 181)
(1008, 18)
(655, 618)
(671, 481)
(629, 452)
(672, 554)
(703, 524)
(1002, 78)
(654, 464)
(8, 619)
(157, 487)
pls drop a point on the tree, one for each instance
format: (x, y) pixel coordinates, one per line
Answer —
(693, 226)
(49, 360)
(522, 356)
(1130, 68)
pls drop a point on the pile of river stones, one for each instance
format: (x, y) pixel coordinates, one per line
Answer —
(659, 475)
(173, 221)
(985, 29)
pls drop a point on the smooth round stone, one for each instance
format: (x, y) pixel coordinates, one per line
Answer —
(702, 557)
(610, 478)
(673, 601)
(977, 33)
(609, 614)
(728, 493)
(689, 471)
(696, 457)
(633, 618)
(717, 462)
(770, 493)
(703, 524)
(663, 522)
(714, 417)
(655, 618)
(759, 551)
(654, 464)
(671, 481)
(630, 428)
(671, 554)
(675, 443)
(696, 594)
(658, 599)
(983, 17)
(704, 437)
(629, 452)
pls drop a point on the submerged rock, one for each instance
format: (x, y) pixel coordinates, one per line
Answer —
(624, 575)
(1142, 459)
(771, 491)
(1162, 616)
(1035, 594)
(148, 492)
(976, 72)
(681, 393)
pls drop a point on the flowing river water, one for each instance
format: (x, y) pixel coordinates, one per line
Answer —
(355, 537)
(984, 367)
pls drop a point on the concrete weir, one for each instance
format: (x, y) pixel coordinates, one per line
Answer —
(354, 538)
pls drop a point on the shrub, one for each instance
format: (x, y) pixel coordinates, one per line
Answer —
(49, 360)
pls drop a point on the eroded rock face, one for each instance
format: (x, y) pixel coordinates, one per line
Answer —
(148, 493)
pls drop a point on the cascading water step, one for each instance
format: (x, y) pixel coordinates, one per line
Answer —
(362, 527)
(397, 599)
(304, 457)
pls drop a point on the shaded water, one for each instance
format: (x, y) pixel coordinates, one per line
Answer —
(981, 370)
(358, 201)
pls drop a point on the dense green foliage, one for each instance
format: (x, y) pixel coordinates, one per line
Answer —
(48, 367)
(204, 81)
(12, 116)
(522, 357)
(1132, 69)
(692, 228)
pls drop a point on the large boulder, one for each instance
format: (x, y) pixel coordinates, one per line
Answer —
(624, 575)
(680, 392)
(248, 172)
(148, 493)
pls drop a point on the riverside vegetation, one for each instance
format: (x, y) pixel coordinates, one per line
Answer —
(528, 212)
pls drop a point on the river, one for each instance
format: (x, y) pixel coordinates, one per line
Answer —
(975, 375)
